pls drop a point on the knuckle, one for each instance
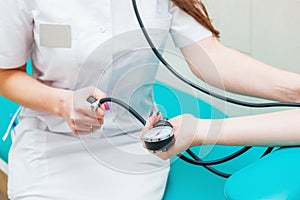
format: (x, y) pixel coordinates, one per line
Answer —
(72, 123)
(77, 110)
(100, 113)
(75, 132)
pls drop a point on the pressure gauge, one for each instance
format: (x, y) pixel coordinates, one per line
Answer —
(160, 138)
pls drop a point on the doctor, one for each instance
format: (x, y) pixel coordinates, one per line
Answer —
(96, 49)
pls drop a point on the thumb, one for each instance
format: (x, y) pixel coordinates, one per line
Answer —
(98, 94)
(151, 121)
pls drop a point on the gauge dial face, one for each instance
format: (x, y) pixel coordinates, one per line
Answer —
(158, 133)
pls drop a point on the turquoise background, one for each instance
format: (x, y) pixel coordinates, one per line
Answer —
(8, 109)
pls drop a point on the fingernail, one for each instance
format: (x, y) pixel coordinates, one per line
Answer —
(151, 113)
(106, 106)
(158, 113)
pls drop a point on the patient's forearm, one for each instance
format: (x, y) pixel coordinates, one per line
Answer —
(272, 129)
(229, 69)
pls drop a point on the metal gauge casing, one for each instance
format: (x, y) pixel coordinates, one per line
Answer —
(160, 138)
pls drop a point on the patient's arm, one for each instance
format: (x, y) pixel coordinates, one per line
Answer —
(272, 129)
(233, 71)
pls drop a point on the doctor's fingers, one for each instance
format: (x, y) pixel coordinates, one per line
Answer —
(153, 119)
(85, 111)
(99, 113)
(87, 120)
(98, 94)
(85, 129)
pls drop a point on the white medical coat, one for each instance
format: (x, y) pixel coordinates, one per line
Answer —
(74, 44)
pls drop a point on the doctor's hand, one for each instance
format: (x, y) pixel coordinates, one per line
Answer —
(188, 132)
(77, 112)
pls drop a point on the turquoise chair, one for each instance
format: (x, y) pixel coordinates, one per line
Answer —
(274, 177)
(187, 181)
(7, 110)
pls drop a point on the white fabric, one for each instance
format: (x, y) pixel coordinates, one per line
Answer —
(74, 44)
(48, 166)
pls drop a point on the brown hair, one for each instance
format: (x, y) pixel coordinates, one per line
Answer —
(197, 10)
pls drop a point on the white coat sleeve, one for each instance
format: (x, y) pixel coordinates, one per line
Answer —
(16, 35)
(184, 29)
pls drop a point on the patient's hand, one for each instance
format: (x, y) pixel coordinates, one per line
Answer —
(186, 133)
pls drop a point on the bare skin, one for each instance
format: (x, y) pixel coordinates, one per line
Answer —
(239, 73)
(230, 70)
(21, 88)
